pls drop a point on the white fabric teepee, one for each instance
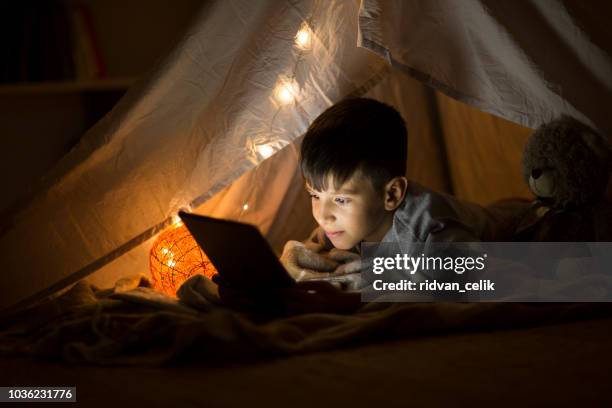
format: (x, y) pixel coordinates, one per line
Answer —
(215, 125)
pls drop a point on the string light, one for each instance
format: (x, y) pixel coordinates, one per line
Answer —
(245, 207)
(176, 221)
(286, 91)
(265, 150)
(303, 38)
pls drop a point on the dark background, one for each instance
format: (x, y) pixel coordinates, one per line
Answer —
(44, 107)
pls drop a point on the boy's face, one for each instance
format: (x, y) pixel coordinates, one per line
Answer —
(353, 213)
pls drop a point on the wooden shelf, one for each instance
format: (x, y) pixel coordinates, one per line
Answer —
(99, 85)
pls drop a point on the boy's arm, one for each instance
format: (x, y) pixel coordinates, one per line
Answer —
(316, 258)
(303, 260)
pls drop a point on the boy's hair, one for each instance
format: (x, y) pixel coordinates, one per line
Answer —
(358, 134)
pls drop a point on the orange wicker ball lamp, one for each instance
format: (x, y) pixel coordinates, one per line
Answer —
(175, 257)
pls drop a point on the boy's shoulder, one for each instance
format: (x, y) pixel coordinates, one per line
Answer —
(418, 215)
(424, 202)
(425, 211)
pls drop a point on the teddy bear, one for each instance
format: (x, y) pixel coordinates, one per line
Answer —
(567, 166)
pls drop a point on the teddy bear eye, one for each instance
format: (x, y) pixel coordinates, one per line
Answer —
(535, 173)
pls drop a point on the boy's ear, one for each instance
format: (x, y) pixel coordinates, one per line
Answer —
(395, 191)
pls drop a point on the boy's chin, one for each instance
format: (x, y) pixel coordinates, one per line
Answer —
(345, 246)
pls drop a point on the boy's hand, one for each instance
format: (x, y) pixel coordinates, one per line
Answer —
(303, 262)
(349, 262)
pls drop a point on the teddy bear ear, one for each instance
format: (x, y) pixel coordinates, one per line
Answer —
(598, 144)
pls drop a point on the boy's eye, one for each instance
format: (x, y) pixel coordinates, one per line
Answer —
(342, 200)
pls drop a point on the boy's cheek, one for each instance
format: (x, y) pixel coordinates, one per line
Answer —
(314, 215)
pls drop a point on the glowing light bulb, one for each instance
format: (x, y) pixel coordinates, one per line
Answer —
(165, 251)
(171, 263)
(284, 94)
(176, 221)
(303, 38)
(286, 91)
(265, 150)
(245, 207)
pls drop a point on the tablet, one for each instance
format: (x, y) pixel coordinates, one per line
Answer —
(239, 252)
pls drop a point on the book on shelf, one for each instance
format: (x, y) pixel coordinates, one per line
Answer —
(87, 55)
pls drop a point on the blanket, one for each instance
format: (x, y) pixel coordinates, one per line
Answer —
(131, 324)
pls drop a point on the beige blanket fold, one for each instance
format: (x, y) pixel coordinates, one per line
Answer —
(132, 324)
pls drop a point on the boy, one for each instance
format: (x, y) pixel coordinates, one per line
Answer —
(353, 159)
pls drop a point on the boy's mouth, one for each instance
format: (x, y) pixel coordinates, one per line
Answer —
(333, 234)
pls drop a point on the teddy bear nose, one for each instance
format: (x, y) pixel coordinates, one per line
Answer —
(535, 173)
